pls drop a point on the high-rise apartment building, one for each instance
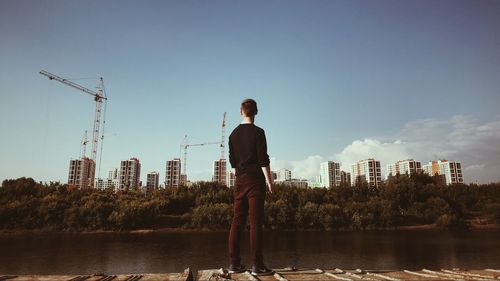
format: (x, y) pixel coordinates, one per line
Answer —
(450, 171)
(219, 171)
(230, 179)
(345, 178)
(184, 180)
(173, 172)
(110, 182)
(130, 174)
(283, 175)
(402, 167)
(81, 173)
(113, 174)
(274, 176)
(368, 171)
(153, 180)
(329, 174)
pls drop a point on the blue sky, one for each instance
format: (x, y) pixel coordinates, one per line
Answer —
(336, 80)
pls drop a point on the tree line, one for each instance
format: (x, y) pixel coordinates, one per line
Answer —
(401, 201)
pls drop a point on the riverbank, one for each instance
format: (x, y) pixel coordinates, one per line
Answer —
(473, 226)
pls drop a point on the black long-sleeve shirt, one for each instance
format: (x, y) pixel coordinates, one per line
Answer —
(248, 149)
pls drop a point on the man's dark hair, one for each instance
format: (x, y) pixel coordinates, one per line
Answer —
(249, 107)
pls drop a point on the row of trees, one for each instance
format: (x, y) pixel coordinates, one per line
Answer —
(403, 200)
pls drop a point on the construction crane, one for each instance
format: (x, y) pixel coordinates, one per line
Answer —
(99, 97)
(185, 145)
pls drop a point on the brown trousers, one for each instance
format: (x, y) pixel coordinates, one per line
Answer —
(249, 195)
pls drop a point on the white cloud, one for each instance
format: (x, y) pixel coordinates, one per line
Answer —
(306, 168)
(461, 138)
(301, 169)
(385, 152)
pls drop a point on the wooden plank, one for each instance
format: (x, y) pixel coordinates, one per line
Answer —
(105, 278)
(421, 274)
(267, 278)
(337, 276)
(79, 278)
(167, 277)
(360, 275)
(473, 276)
(213, 275)
(354, 275)
(134, 277)
(248, 277)
(43, 277)
(299, 274)
(444, 274)
(222, 275)
(489, 274)
(379, 275)
(279, 277)
(405, 276)
(298, 271)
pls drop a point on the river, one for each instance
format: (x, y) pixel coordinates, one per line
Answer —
(113, 253)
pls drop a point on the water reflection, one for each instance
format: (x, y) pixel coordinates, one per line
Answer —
(172, 252)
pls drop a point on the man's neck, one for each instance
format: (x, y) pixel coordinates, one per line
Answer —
(247, 120)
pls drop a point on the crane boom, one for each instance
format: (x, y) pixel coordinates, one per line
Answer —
(72, 84)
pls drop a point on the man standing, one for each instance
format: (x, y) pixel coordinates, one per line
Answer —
(248, 155)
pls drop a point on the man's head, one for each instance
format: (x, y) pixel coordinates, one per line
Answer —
(249, 108)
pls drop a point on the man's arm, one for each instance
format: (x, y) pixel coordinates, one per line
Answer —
(231, 154)
(269, 180)
(264, 160)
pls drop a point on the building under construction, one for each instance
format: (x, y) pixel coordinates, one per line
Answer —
(81, 173)
(130, 174)
(173, 175)
(219, 172)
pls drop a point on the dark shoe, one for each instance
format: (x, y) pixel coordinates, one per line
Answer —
(261, 271)
(236, 268)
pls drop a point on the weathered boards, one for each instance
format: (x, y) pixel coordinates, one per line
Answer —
(293, 274)
(187, 275)
(285, 274)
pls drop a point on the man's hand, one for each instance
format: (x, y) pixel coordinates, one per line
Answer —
(269, 187)
(269, 182)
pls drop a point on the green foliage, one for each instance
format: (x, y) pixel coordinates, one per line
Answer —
(331, 216)
(402, 200)
(214, 216)
(451, 221)
(278, 214)
(307, 215)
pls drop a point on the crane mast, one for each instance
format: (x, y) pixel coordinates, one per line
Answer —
(97, 118)
(222, 143)
(83, 150)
